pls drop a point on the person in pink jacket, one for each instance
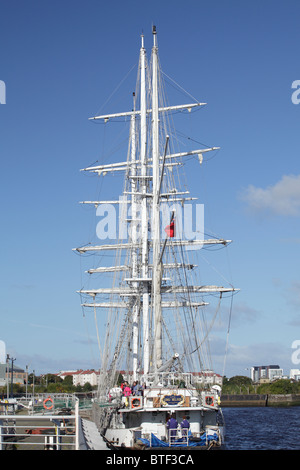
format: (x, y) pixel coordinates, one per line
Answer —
(126, 393)
(126, 390)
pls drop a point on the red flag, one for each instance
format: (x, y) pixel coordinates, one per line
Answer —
(170, 229)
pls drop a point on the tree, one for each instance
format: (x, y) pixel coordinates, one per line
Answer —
(120, 379)
(52, 378)
(87, 387)
(237, 385)
(68, 380)
(240, 380)
(279, 387)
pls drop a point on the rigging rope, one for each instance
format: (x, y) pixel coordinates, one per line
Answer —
(179, 86)
(116, 89)
(97, 331)
(227, 336)
(211, 324)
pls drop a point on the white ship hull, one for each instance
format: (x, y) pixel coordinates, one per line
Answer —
(141, 422)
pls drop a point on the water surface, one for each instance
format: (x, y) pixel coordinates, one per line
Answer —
(262, 428)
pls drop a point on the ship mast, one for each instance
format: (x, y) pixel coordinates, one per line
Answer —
(144, 213)
(142, 297)
(156, 272)
(134, 273)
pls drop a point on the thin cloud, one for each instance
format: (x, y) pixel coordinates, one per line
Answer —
(290, 292)
(283, 198)
(241, 358)
(242, 313)
(294, 295)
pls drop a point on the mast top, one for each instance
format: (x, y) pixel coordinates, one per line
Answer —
(154, 35)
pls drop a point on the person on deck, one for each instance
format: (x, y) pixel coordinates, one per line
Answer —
(126, 390)
(185, 425)
(126, 393)
(172, 425)
(134, 388)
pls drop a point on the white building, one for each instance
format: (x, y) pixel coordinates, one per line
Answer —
(207, 377)
(84, 376)
(81, 377)
(2, 352)
(295, 374)
(270, 373)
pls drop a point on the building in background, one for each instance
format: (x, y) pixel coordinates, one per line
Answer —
(295, 374)
(3, 380)
(81, 377)
(266, 373)
(2, 364)
(2, 352)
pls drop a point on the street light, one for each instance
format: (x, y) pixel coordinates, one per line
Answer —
(26, 381)
(12, 377)
(7, 375)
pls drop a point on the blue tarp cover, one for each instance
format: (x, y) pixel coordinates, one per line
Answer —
(179, 442)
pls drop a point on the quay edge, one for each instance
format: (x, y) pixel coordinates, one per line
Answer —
(260, 400)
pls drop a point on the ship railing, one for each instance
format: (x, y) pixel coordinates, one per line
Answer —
(38, 403)
(40, 432)
(169, 379)
(178, 435)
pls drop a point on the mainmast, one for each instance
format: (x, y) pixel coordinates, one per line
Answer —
(144, 212)
(156, 272)
(134, 273)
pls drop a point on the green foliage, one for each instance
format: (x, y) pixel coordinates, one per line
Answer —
(280, 387)
(87, 387)
(239, 384)
(120, 379)
(43, 386)
(68, 380)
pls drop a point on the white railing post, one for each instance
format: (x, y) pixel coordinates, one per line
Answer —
(1, 434)
(77, 424)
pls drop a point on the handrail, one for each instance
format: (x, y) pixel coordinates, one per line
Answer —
(59, 432)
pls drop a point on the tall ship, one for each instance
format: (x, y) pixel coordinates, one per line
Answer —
(153, 312)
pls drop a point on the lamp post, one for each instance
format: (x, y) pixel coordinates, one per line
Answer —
(12, 377)
(7, 375)
(26, 382)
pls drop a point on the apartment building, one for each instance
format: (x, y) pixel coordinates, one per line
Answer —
(81, 377)
(266, 373)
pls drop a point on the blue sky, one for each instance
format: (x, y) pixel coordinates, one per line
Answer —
(60, 62)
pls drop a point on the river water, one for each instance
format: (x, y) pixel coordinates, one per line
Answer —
(262, 428)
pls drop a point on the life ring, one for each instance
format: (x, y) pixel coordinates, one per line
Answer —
(136, 402)
(209, 401)
(46, 401)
